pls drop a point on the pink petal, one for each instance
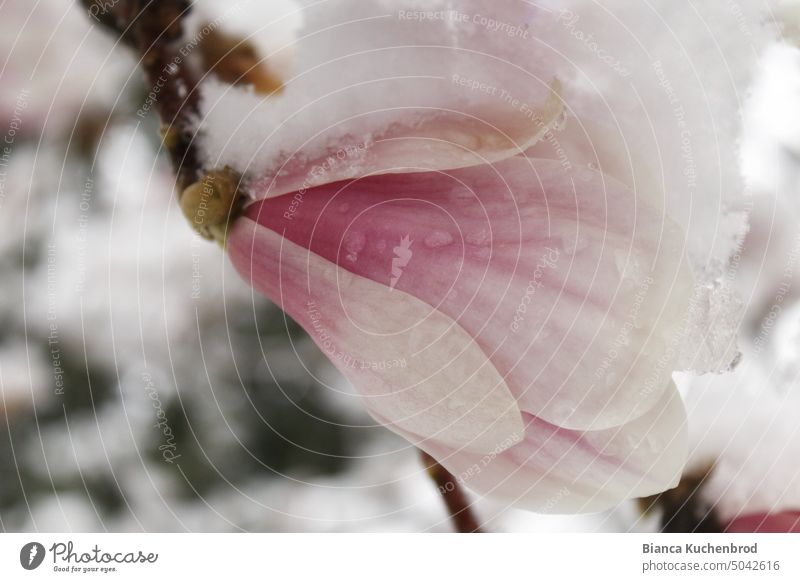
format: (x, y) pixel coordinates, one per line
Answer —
(448, 399)
(573, 286)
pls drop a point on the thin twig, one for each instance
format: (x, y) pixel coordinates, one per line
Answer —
(683, 509)
(154, 28)
(108, 16)
(453, 496)
(157, 27)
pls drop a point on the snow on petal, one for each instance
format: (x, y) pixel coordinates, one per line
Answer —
(378, 87)
(575, 289)
(659, 87)
(414, 366)
(670, 103)
(652, 89)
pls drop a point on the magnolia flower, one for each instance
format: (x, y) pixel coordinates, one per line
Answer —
(451, 299)
(495, 224)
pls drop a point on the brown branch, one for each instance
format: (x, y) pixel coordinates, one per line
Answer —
(157, 26)
(683, 509)
(108, 16)
(453, 496)
(154, 28)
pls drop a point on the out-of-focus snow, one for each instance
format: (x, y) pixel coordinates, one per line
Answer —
(745, 426)
(54, 64)
(270, 27)
(771, 141)
(121, 263)
(22, 379)
(744, 423)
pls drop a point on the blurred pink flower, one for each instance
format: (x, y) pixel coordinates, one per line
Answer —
(54, 66)
(783, 522)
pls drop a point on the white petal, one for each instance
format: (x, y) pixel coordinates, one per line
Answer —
(415, 367)
(560, 471)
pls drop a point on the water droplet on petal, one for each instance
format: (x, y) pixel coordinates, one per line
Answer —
(560, 122)
(576, 245)
(595, 439)
(603, 442)
(521, 196)
(562, 412)
(654, 443)
(478, 238)
(630, 268)
(483, 253)
(354, 243)
(437, 239)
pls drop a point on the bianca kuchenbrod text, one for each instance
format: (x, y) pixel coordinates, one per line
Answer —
(707, 548)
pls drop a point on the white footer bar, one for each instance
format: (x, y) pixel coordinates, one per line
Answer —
(399, 557)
